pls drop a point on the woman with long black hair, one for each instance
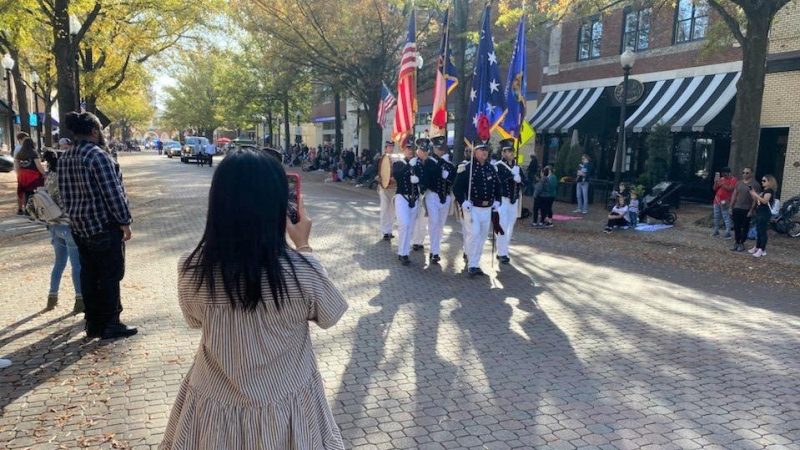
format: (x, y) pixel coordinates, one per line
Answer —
(254, 382)
(30, 172)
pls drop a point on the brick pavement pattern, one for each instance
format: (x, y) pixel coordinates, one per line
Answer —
(568, 348)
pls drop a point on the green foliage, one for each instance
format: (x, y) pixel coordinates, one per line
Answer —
(659, 154)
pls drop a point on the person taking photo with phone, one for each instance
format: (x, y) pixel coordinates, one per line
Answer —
(254, 383)
(763, 201)
(741, 208)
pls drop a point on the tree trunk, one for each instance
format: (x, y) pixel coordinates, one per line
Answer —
(337, 122)
(746, 126)
(91, 104)
(269, 121)
(48, 121)
(286, 139)
(459, 30)
(371, 112)
(22, 95)
(64, 54)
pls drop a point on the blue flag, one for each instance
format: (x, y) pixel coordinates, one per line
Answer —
(487, 103)
(516, 87)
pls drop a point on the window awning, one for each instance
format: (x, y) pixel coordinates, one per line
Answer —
(561, 110)
(685, 104)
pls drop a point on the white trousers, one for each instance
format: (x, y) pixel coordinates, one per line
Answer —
(421, 225)
(386, 197)
(480, 220)
(406, 217)
(464, 230)
(508, 217)
(437, 216)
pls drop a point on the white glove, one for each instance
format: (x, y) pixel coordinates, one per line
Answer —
(517, 178)
(467, 205)
(414, 179)
(445, 174)
(413, 161)
(515, 171)
(496, 205)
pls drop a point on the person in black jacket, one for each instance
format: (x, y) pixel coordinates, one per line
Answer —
(440, 174)
(477, 190)
(512, 180)
(408, 175)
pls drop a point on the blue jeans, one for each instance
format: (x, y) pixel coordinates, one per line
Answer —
(633, 218)
(719, 210)
(64, 246)
(582, 191)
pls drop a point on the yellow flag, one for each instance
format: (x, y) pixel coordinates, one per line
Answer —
(526, 133)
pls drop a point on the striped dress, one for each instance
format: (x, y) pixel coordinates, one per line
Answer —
(254, 383)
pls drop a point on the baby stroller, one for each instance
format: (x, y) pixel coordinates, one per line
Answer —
(658, 203)
(788, 219)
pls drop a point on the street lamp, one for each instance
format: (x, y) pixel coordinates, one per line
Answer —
(627, 59)
(74, 28)
(8, 64)
(35, 79)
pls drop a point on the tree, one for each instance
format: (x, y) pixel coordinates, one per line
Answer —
(194, 101)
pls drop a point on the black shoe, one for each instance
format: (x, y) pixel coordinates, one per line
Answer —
(20, 212)
(735, 248)
(465, 257)
(404, 260)
(475, 271)
(504, 259)
(118, 330)
(741, 248)
(387, 237)
(435, 259)
(417, 247)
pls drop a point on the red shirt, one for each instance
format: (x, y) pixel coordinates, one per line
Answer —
(724, 191)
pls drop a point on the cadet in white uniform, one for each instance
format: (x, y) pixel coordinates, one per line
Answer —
(512, 180)
(440, 175)
(386, 197)
(421, 224)
(477, 189)
(408, 175)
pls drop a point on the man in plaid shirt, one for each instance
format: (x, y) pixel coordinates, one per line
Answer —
(94, 198)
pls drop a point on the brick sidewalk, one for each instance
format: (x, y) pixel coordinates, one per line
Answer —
(571, 347)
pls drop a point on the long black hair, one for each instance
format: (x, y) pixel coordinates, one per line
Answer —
(245, 235)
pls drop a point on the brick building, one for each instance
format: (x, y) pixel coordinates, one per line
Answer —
(679, 81)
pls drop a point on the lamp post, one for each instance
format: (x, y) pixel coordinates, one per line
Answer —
(74, 28)
(8, 64)
(627, 59)
(35, 79)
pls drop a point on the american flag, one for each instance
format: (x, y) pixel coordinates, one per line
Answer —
(406, 110)
(388, 101)
(487, 101)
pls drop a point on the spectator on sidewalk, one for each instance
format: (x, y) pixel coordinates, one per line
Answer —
(532, 175)
(616, 219)
(633, 210)
(743, 207)
(21, 136)
(254, 383)
(724, 184)
(61, 238)
(548, 195)
(763, 201)
(537, 201)
(90, 183)
(30, 173)
(582, 186)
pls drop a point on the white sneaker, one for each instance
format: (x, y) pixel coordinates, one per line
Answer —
(576, 210)
(758, 253)
(4, 363)
(752, 250)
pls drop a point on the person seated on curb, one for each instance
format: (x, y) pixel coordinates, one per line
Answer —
(617, 216)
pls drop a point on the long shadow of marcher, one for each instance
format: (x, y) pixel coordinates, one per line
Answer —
(11, 327)
(394, 363)
(40, 361)
(527, 370)
(13, 337)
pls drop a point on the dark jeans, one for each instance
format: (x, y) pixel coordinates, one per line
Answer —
(619, 222)
(102, 268)
(741, 225)
(547, 207)
(537, 208)
(762, 227)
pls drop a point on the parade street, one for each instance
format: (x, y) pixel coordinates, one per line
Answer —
(570, 346)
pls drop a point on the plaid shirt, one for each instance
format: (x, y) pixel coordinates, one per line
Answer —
(91, 189)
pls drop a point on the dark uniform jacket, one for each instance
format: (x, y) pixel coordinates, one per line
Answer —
(402, 171)
(434, 166)
(508, 187)
(485, 184)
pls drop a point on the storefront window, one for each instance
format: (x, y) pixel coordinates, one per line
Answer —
(589, 37)
(692, 158)
(691, 20)
(636, 34)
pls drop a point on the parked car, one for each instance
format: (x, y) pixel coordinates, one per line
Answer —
(172, 148)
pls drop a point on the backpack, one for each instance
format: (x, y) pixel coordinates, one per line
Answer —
(775, 207)
(42, 207)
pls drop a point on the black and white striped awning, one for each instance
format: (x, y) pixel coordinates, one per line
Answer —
(685, 104)
(561, 110)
